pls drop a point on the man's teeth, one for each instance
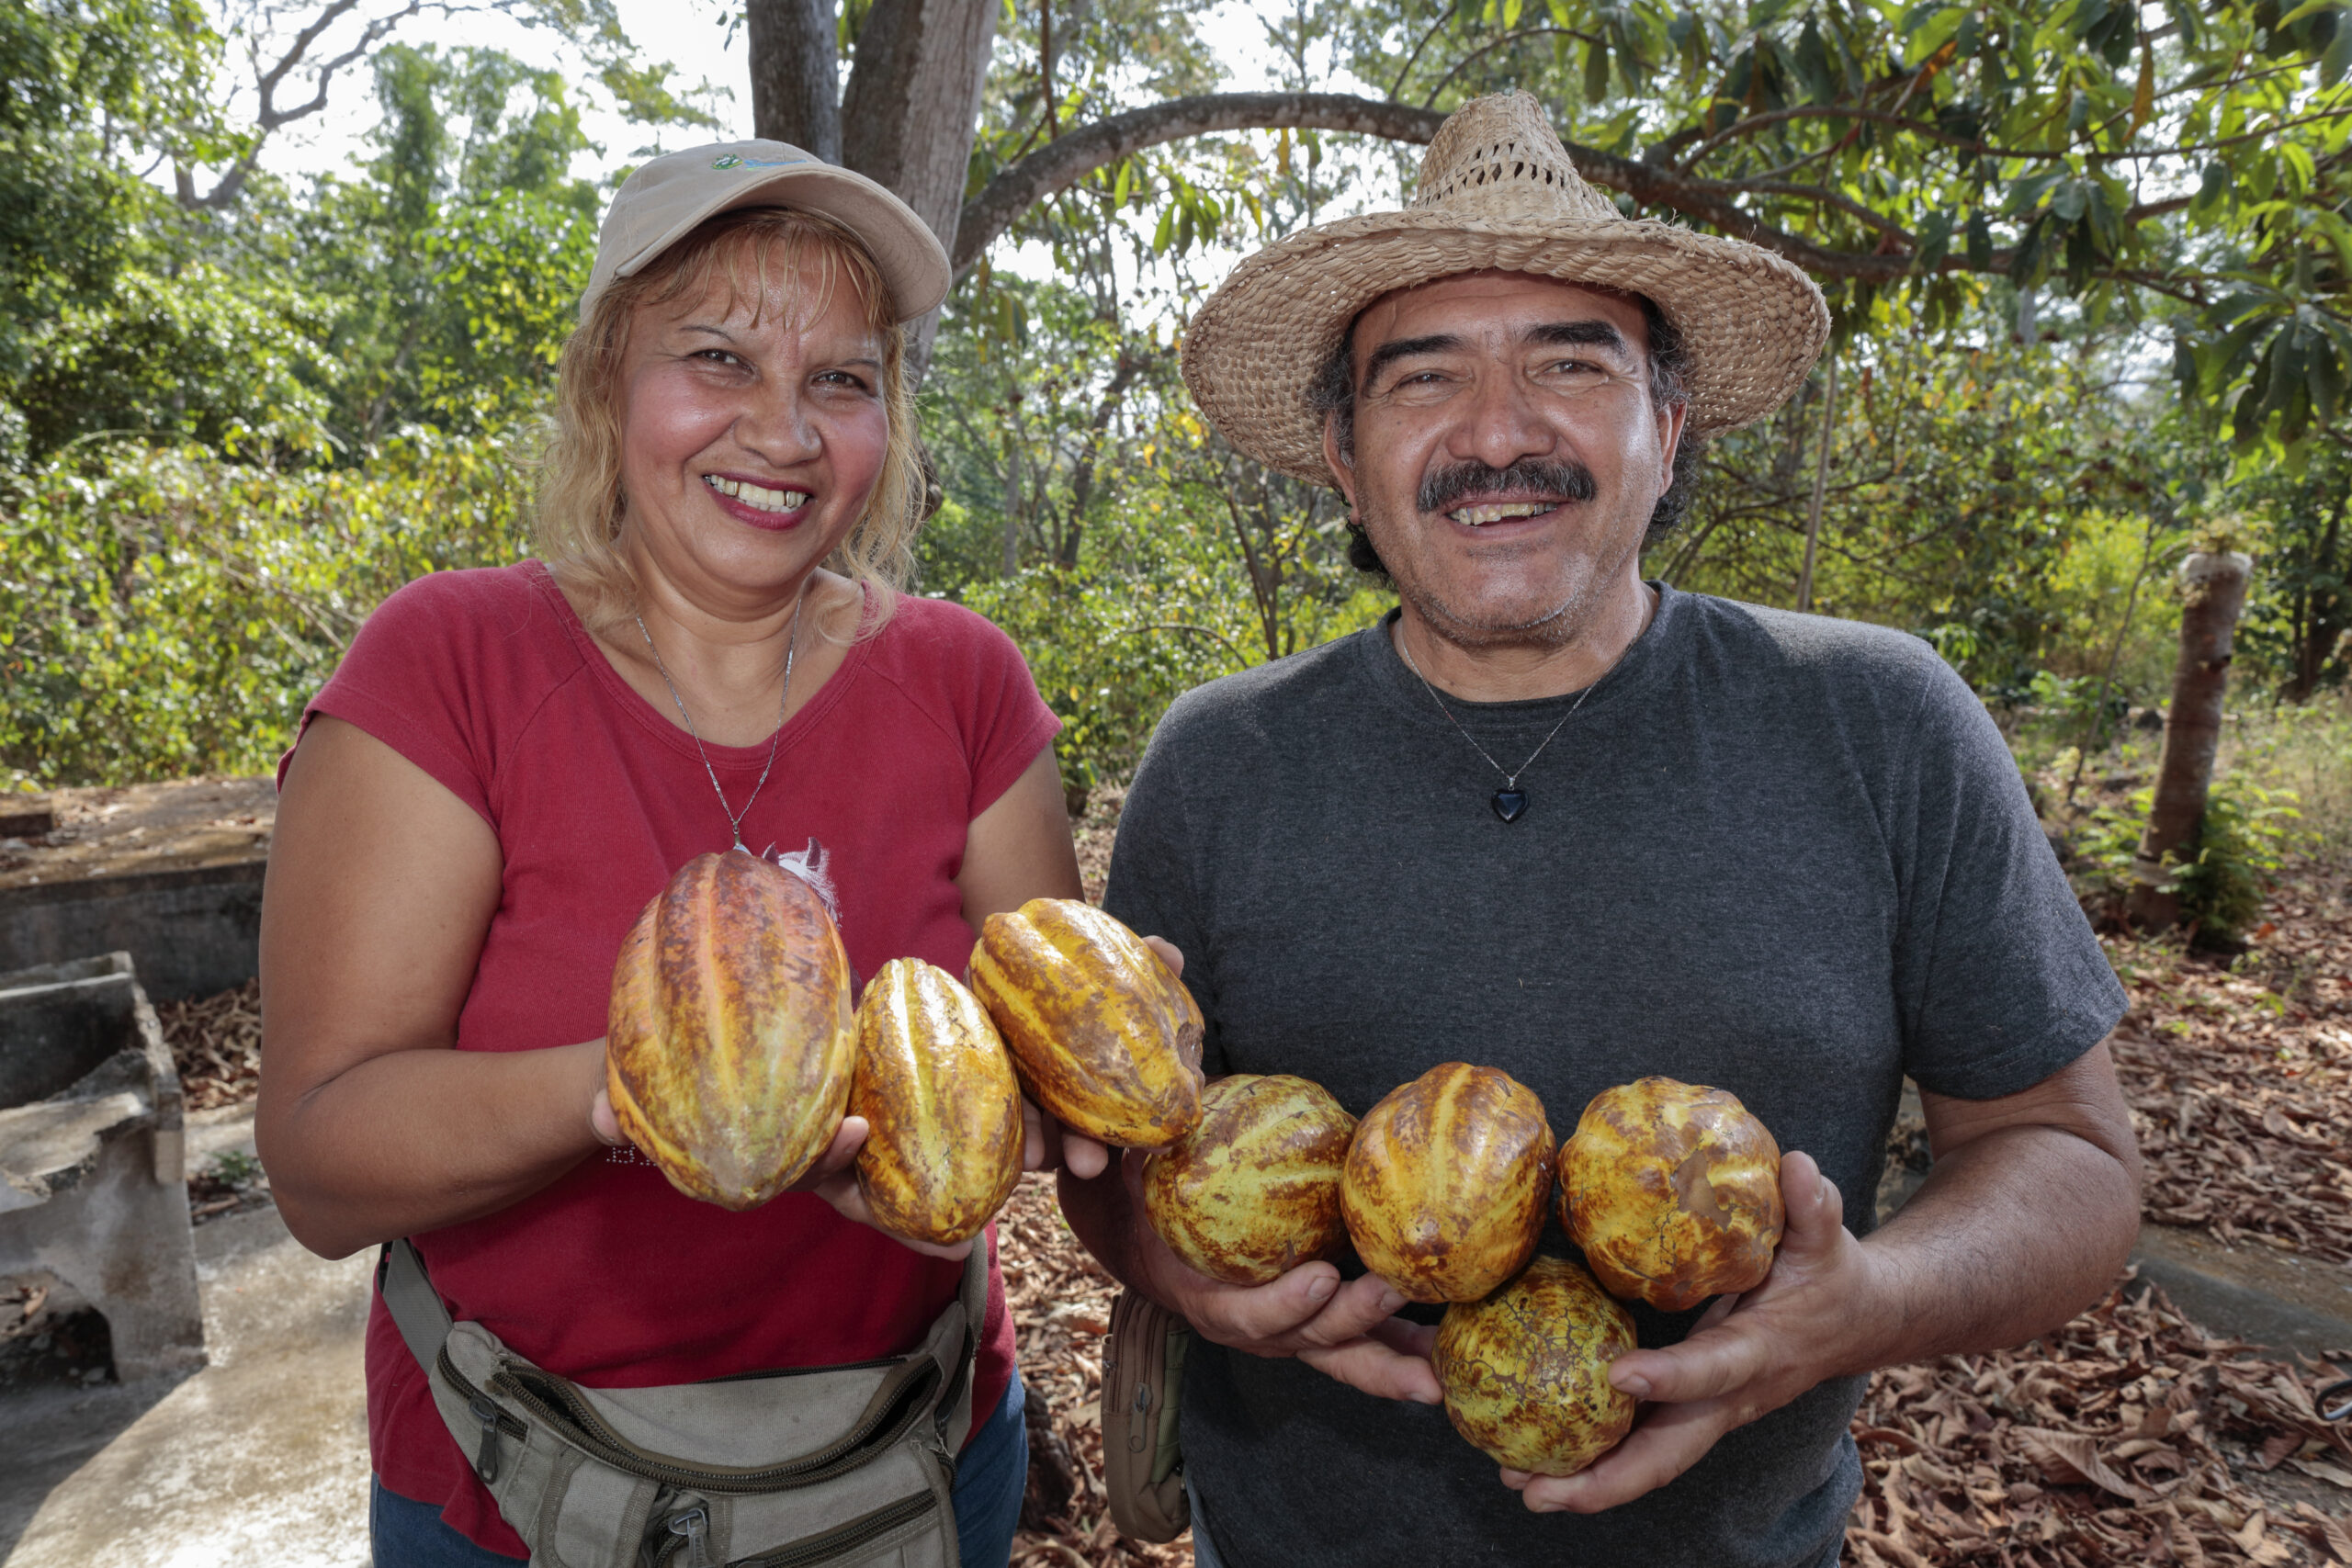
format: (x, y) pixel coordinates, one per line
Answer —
(1495, 511)
(766, 500)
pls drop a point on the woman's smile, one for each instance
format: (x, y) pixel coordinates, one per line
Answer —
(775, 507)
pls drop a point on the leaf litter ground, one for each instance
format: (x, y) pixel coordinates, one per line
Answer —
(2129, 1436)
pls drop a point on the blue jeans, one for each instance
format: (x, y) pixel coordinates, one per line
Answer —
(991, 1475)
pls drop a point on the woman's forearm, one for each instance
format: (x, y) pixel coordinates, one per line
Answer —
(411, 1141)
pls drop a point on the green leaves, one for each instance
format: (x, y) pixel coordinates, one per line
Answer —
(172, 613)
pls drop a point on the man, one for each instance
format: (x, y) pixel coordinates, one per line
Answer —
(1553, 820)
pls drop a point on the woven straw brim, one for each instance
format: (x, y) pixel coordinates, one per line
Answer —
(1751, 322)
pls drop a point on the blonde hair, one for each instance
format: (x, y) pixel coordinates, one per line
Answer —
(580, 506)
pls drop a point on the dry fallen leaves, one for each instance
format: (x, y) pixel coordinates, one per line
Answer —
(2239, 1074)
(216, 1045)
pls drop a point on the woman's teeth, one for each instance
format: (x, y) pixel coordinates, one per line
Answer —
(766, 500)
(1496, 512)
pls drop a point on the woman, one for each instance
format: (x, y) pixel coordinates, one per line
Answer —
(510, 763)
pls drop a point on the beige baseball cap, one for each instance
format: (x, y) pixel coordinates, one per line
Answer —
(664, 199)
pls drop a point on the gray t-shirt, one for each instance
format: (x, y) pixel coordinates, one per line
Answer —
(1783, 856)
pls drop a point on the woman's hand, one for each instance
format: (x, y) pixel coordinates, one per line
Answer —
(833, 1178)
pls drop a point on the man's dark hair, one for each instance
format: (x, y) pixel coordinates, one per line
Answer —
(1333, 392)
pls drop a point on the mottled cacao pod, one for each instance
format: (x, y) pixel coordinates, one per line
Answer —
(943, 1110)
(1673, 1191)
(729, 1047)
(1447, 1182)
(1253, 1192)
(1103, 1036)
(1525, 1370)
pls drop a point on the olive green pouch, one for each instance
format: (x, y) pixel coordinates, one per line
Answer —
(1143, 1461)
(846, 1467)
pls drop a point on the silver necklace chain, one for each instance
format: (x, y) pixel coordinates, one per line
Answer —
(1510, 778)
(791, 648)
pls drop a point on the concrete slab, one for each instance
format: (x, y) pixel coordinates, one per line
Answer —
(172, 872)
(261, 1458)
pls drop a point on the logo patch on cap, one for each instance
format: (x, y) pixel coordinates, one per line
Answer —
(733, 161)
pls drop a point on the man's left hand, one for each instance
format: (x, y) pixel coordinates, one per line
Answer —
(1747, 1355)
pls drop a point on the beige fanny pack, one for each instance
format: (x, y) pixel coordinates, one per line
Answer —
(843, 1467)
(1143, 1381)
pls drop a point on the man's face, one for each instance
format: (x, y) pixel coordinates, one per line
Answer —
(1506, 456)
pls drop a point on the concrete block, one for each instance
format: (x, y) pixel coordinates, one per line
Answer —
(92, 1169)
(191, 931)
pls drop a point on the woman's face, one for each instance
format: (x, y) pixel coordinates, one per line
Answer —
(752, 433)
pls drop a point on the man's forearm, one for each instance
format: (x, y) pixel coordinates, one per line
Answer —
(1105, 1218)
(2009, 1237)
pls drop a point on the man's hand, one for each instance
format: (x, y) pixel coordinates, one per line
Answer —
(1745, 1357)
(1347, 1331)
(1046, 1144)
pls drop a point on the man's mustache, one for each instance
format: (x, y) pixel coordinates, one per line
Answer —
(1441, 488)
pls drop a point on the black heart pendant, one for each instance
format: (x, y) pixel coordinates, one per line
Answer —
(1509, 804)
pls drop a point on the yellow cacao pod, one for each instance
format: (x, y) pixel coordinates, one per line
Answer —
(1673, 1191)
(1253, 1192)
(729, 1049)
(1448, 1181)
(1525, 1370)
(1103, 1036)
(943, 1110)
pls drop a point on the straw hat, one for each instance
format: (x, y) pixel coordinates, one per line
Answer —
(1496, 190)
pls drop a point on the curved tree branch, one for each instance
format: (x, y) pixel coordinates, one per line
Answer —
(1082, 150)
(1053, 169)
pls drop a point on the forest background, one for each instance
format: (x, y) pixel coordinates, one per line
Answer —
(2089, 263)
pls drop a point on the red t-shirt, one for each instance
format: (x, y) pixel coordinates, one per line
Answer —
(488, 681)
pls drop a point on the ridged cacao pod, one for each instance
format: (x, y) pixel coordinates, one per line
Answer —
(943, 1110)
(729, 1047)
(1673, 1191)
(1253, 1192)
(1102, 1033)
(1525, 1370)
(1448, 1181)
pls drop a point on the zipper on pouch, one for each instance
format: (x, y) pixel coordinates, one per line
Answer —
(693, 1529)
(557, 1404)
(494, 1420)
(846, 1537)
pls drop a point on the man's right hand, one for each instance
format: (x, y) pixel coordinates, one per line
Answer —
(1349, 1331)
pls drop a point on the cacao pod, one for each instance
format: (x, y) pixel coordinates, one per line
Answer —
(1103, 1036)
(1673, 1191)
(729, 1047)
(1525, 1370)
(1253, 1192)
(1448, 1181)
(943, 1110)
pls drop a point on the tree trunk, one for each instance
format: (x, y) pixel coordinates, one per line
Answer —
(913, 108)
(2216, 584)
(796, 85)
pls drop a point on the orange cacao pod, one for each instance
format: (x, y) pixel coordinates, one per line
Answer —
(1102, 1033)
(943, 1146)
(1447, 1182)
(1673, 1191)
(728, 1050)
(1253, 1192)
(1525, 1370)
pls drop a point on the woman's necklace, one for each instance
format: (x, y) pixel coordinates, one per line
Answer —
(791, 646)
(1510, 801)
